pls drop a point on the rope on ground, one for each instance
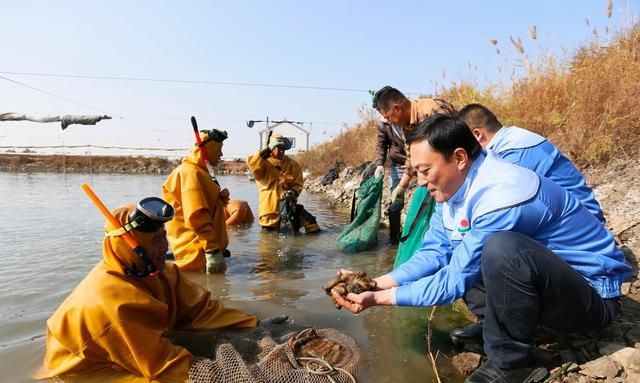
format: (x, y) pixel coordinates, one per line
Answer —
(318, 366)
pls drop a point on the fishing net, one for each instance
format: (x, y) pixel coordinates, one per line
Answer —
(281, 353)
(362, 232)
(415, 225)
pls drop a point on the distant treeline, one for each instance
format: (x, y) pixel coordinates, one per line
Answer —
(586, 104)
(102, 164)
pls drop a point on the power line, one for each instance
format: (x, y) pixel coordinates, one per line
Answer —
(68, 100)
(180, 81)
(52, 94)
(89, 146)
(263, 85)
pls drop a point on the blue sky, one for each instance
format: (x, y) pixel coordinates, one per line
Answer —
(356, 45)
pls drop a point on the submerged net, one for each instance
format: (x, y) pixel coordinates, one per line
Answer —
(415, 225)
(362, 233)
(281, 353)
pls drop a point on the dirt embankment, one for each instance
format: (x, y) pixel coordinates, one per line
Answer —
(612, 355)
(103, 164)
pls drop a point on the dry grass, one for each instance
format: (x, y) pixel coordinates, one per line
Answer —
(353, 146)
(585, 104)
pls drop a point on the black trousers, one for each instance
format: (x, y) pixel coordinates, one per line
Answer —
(527, 284)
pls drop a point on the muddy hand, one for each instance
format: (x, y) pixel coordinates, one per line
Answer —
(354, 307)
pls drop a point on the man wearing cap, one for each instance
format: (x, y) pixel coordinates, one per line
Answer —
(279, 178)
(118, 316)
(544, 258)
(398, 110)
(198, 233)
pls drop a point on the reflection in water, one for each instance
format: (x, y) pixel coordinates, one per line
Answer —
(54, 239)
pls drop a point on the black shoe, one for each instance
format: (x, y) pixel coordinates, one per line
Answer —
(490, 373)
(471, 333)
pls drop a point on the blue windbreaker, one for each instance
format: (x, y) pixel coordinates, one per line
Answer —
(532, 151)
(498, 196)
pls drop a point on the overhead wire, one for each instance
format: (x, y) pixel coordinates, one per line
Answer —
(129, 119)
(70, 100)
(251, 84)
(167, 80)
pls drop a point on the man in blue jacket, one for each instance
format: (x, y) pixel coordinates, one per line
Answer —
(532, 151)
(544, 258)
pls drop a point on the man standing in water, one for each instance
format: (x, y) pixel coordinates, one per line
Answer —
(398, 110)
(279, 179)
(390, 145)
(198, 233)
(544, 258)
(118, 317)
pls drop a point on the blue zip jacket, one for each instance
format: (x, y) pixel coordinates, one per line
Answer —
(498, 196)
(532, 151)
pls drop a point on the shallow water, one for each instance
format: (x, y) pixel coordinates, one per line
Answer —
(51, 237)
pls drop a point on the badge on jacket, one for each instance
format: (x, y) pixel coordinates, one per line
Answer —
(461, 230)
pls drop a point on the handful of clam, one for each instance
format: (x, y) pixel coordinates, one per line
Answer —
(344, 284)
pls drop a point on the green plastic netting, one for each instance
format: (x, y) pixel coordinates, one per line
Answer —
(362, 233)
(415, 225)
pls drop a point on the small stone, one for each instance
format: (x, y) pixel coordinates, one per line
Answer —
(628, 358)
(602, 367)
(632, 377)
(466, 362)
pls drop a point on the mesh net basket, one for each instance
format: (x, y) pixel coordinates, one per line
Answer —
(281, 353)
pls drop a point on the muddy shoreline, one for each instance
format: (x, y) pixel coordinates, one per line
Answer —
(102, 164)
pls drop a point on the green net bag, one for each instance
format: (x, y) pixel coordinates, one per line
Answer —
(415, 225)
(362, 233)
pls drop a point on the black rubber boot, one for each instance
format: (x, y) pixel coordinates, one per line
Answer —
(469, 334)
(490, 373)
(394, 210)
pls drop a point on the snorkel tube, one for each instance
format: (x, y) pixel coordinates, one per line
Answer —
(132, 271)
(203, 153)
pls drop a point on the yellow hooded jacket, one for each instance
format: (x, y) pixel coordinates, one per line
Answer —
(113, 321)
(273, 177)
(199, 222)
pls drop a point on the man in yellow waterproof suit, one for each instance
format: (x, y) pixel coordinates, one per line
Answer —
(278, 177)
(198, 233)
(118, 316)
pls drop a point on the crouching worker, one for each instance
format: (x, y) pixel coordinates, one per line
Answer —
(117, 317)
(279, 180)
(198, 233)
(238, 212)
(543, 257)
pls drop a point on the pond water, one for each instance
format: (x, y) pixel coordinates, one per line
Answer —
(51, 237)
